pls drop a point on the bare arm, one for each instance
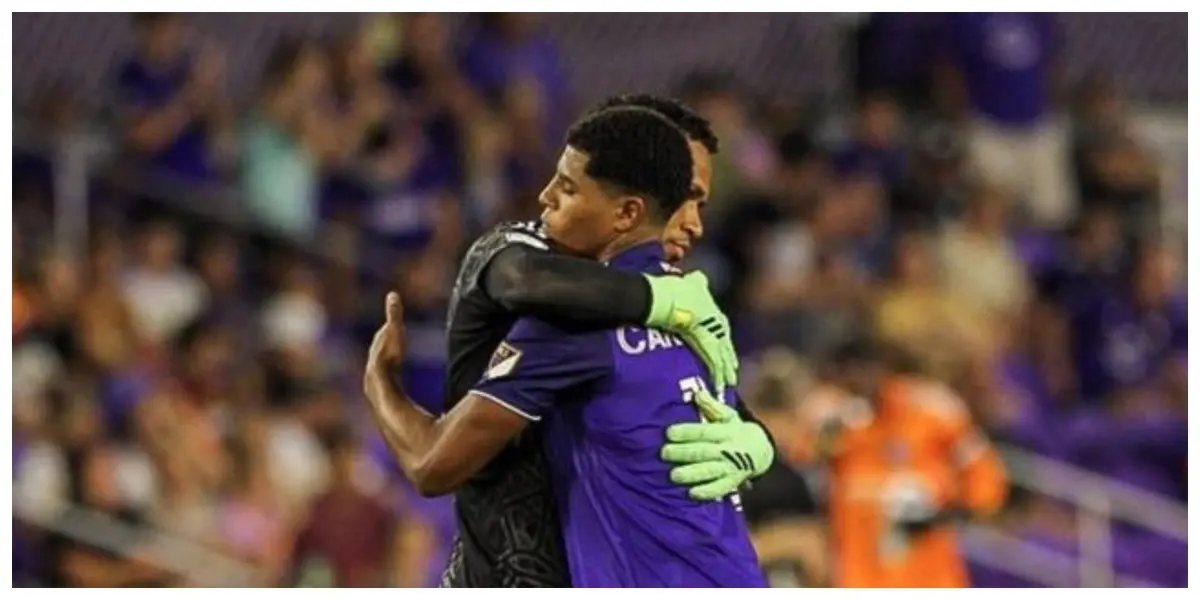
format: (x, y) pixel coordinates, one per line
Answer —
(438, 454)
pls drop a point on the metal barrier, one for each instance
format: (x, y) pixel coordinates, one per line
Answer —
(1098, 500)
(198, 564)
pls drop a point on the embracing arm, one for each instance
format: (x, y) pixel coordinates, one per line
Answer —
(532, 281)
(438, 454)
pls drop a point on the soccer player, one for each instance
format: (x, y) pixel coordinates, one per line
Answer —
(506, 516)
(593, 207)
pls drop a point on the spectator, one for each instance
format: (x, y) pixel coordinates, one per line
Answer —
(184, 508)
(252, 523)
(518, 68)
(298, 465)
(936, 186)
(919, 314)
(424, 539)
(875, 148)
(220, 266)
(348, 530)
(746, 161)
(1122, 338)
(781, 507)
(163, 294)
(1112, 169)
(287, 141)
(980, 262)
(799, 183)
(171, 101)
(293, 320)
(426, 75)
(998, 70)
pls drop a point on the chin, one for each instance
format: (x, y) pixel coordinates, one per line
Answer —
(674, 254)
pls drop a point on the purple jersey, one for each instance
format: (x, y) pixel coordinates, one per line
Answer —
(605, 399)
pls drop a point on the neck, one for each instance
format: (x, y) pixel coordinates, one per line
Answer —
(625, 241)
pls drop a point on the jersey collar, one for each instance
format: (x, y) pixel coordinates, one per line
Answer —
(639, 256)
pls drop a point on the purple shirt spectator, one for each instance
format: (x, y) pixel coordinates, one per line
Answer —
(436, 513)
(1117, 345)
(144, 87)
(886, 164)
(1005, 60)
(495, 61)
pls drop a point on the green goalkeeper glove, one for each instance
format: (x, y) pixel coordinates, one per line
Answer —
(684, 306)
(716, 457)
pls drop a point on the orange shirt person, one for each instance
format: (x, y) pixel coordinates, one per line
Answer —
(902, 467)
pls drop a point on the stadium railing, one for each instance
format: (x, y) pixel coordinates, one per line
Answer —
(1098, 502)
(196, 563)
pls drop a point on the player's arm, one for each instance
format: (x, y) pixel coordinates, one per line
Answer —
(526, 375)
(528, 280)
(438, 454)
(982, 483)
(984, 480)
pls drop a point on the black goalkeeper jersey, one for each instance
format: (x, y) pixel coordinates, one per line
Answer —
(508, 529)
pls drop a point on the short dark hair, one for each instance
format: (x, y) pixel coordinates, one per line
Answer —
(636, 150)
(679, 114)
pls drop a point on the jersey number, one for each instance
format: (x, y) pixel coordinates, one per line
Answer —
(688, 386)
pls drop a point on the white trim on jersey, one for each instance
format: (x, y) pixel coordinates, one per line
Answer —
(505, 404)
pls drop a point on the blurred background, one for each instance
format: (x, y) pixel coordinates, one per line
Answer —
(208, 209)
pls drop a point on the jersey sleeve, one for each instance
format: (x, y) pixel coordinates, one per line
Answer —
(539, 365)
(530, 280)
(983, 482)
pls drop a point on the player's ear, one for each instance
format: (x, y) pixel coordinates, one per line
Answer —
(630, 212)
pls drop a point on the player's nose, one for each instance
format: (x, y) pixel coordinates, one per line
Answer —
(544, 199)
(692, 224)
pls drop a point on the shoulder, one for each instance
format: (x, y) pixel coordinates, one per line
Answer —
(557, 343)
(514, 234)
(935, 400)
(519, 233)
(571, 338)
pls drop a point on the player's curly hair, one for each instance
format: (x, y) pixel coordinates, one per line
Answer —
(681, 115)
(636, 151)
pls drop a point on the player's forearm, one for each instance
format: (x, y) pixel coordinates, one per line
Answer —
(409, 432)
(439, 454)
(566, 289)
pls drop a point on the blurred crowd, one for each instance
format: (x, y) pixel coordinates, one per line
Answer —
(201, 377)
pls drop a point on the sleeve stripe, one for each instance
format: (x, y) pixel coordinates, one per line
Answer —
(527, 239)
(507, 405)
